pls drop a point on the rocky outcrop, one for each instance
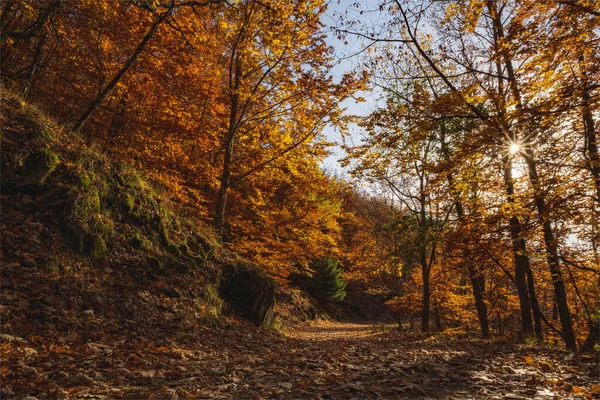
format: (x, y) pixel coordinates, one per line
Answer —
(250, 291)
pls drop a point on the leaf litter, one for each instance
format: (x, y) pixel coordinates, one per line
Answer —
(113, 334)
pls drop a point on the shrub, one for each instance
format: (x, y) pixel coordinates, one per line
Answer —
(327, 282)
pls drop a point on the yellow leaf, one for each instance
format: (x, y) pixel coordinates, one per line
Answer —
(185, 394)
(578, 390)
(159, 349)
(544, 366)
(528, 360)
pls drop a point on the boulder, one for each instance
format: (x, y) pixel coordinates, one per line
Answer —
(250, 291)
(593, 338)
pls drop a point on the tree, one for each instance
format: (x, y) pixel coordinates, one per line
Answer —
(483, 54)
(278, 84)
(327, 281)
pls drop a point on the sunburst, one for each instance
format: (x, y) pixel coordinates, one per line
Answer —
(514, 149)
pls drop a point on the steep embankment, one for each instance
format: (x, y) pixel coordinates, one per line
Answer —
(89, 246)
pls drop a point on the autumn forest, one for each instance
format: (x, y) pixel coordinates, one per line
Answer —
(402, 193)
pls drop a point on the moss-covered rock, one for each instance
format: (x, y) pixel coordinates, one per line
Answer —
(250, 291)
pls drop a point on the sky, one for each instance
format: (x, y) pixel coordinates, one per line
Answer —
(346, 64)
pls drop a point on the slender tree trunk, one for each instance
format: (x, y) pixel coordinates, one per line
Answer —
(548, 235)
(477, 282)
(33, 29)
(592, 142)
(398, 291)
(519, 244)
(593, 337)
(425, 267)
(594, 166)
(535, 305)
(426, 290)
(476, 278)
(551, 246)
(35, 66)
(540, 204)
(520, 254)
(219, 219)
(111, 85)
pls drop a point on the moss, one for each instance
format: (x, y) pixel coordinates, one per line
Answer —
(54, 266)
(212, 305)
(98, 249)
(203, 257)
(87, 217)
(277, 324)
(156, 264)
(136, 241)
(129, 202)
(52, 160)
(105, 197)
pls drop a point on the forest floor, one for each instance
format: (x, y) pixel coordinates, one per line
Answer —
(113, 332)
(326, 360)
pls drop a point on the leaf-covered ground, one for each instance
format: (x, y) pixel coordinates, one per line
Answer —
(327, 360)
(114, 332)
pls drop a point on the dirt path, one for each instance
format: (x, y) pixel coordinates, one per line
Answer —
(333, 331)
(363, 361)
(326, 360)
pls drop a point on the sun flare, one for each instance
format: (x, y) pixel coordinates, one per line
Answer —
(514, 148)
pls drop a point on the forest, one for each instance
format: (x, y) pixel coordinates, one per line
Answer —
(402, 195)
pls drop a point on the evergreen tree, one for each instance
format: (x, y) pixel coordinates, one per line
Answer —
(327, 282)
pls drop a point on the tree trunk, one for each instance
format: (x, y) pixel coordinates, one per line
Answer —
(398, 294)
(438, 320)
(477, 280)
(592, 142)
(535, 305)
(593, 337)
(425, 267)
(426, 291)
(520, 254)
(33, 29)
(519, 245)
(560, 292)
(35, 66)
(219, 219)
(477, 283)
